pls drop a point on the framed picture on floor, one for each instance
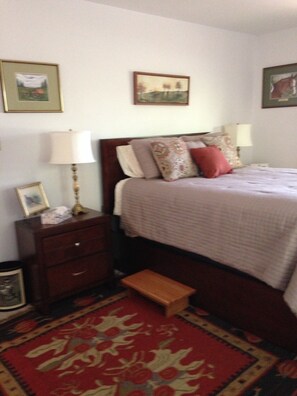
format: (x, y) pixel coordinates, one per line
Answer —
(12, 291)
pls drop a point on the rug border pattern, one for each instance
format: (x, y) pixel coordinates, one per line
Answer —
(264, 360)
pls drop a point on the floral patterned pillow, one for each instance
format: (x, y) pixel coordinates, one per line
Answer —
(223, 142)
(173, 158)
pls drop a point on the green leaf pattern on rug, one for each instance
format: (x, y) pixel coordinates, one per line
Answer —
(163, 375)
(122, 346)
(85, 344)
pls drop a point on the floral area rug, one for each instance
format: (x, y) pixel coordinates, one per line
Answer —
(119, 346)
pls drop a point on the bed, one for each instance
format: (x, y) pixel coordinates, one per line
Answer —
(222, 289)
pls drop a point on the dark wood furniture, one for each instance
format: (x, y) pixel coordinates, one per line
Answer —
(65, 258)
(242, 300)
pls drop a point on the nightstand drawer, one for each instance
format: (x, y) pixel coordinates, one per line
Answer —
(67, 246)
(75, 275)
(66, 258)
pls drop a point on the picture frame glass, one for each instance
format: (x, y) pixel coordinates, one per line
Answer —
(32, 198)
(30, 87)
(12, 293)
(161, 89)
(280, 86)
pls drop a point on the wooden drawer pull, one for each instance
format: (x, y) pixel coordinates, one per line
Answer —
(78, 273)
(77, 244)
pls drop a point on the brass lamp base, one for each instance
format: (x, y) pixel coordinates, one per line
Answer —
(78, 209)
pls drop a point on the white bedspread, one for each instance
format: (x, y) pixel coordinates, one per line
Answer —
(247, 220)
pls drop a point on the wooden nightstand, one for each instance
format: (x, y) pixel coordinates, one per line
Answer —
(63, 259)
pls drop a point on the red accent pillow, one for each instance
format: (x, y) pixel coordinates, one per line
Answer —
(211, 161)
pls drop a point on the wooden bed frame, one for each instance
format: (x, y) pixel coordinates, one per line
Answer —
(242, 300)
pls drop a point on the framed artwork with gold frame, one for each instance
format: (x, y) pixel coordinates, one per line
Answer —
(30, 87)
(32, 198)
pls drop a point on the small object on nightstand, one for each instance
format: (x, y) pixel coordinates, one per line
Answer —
(56, 215)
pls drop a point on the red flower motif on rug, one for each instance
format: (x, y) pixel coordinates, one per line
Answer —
(25, 326)
(127, 347)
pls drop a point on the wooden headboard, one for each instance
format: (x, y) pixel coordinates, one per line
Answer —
(110, 167)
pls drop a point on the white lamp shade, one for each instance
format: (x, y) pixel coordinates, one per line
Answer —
(71, 148)
(240, 134)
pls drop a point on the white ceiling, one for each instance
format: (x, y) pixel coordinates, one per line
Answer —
(246, 16)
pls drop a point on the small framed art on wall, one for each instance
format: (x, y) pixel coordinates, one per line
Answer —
(161, 89)
(280, 86)
(30, 87)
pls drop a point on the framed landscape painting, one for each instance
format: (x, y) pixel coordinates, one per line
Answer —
(280, 86)
(32, 198)
(30, 87)
(161, 89)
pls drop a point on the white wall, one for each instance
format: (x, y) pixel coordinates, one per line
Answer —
(97, 48)
(274, 129)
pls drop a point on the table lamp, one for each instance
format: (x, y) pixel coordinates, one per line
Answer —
(240, 135)
(72, 148)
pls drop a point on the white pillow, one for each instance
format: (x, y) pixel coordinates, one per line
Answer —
(128, 161)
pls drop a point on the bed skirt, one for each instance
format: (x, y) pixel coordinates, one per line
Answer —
(240, 299)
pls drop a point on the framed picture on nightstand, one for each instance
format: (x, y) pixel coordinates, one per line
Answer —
(32, 198)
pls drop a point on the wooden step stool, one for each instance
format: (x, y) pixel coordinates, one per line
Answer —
(174, 296)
